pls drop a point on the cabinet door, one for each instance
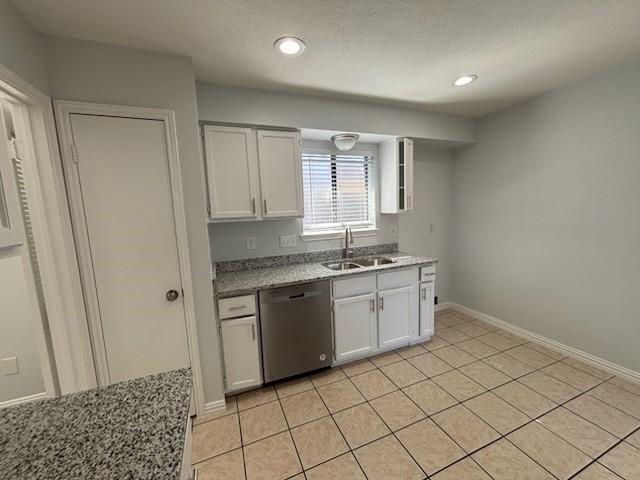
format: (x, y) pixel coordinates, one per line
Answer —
(355, 326)
(232, 178)
(426, 309)
(241, 353)
(395, 309)
(280, 173)
(408, 161)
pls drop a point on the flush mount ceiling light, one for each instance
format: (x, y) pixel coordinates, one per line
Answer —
(290, 45)
(465, 80)
(345, 141)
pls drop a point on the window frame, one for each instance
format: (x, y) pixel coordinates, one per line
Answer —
(358, 229)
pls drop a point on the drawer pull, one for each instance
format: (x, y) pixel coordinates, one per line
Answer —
(238, 307)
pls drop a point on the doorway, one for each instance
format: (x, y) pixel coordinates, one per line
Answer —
(122, 173)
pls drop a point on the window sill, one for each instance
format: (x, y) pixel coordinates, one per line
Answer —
(310, 237)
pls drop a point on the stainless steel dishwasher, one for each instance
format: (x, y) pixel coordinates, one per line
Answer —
(295, 325)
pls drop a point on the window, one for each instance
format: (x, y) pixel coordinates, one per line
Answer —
(338, 191)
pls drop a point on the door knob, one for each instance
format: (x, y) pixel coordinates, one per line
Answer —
(172, 295)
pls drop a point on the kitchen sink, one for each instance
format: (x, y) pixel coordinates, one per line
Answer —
(373, 261)
(341, 266)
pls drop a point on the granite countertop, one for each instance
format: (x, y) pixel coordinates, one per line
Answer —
(128, 430)
(243, 282)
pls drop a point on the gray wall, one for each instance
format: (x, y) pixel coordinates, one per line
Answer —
(94, 72)
(229, 240)
(21, 51)
(433, 170)
(21, 47)
(545, 216)
(217, 103)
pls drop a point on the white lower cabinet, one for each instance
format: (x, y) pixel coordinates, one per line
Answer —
(355, 326)
(395, 315)
(427, 293)
(241, 353)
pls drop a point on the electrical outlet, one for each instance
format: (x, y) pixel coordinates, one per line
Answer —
(251, 243)
(394, 231)
(9, 366)
(287, 241)
(430, 228)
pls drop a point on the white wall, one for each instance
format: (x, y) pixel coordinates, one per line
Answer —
(546, 223)
(433, 171)
(229, 240)
(17, 321)
(217, 103)
(21, 47)
(100, 73)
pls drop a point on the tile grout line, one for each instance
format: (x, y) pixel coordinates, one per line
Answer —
(400, 389)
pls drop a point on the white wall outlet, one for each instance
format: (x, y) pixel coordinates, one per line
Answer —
(394, 231)
(251, 243)
(9, 366)
(287, 241)
(430, 228)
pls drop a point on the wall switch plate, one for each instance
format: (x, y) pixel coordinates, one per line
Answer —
(9, 366)
(394, 231)
(287, 241)
(251, 243)
(430, 228)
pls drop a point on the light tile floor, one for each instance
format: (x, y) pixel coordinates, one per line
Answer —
(475, 402)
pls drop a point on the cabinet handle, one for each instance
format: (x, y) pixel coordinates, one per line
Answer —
(238, 307)
(424, 293)
(372, 305)
(253, 206)
(253, 332)
(265, 207)
(381, 303)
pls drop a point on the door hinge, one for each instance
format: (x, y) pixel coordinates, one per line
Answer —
(74, 153)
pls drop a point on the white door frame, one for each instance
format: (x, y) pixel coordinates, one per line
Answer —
(53, 236)
(63, 110)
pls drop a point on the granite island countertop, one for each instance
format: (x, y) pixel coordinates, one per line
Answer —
(128, 430)
(248, 281)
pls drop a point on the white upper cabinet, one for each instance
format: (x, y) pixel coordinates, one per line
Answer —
(280, 173)
(232, 175)
(252, 174)
(396, 175)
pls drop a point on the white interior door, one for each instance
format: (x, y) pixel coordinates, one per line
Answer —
(124, 183)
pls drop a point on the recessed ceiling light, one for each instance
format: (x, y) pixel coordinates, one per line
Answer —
(464, 80)
(290, 45)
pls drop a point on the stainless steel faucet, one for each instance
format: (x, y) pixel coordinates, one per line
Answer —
(348, 238)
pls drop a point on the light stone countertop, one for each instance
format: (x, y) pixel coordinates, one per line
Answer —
(243, 282)
(133, 429)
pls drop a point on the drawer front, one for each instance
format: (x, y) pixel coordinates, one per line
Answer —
(351, 287)
(237, 306)
(397, 279)
(427, 273)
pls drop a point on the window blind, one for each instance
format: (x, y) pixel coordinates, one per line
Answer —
(338, 191)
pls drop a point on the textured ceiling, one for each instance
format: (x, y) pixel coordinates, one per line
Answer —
(401, 52)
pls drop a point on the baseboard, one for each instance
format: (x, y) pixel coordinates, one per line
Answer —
(585, 357)
(213, 407)
(28, 398)
(443, 306)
